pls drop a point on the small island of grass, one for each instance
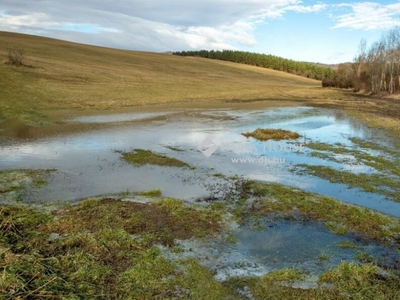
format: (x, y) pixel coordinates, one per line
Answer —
(271, 134)
(140, 157)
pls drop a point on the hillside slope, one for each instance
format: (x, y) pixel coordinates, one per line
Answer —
(65, 75)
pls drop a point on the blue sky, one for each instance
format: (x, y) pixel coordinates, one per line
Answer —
(315, 31)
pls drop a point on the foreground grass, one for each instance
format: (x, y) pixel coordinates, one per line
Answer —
(346, 281)
(106, 249)
(140, 157)
(103, 249)
(265, 134)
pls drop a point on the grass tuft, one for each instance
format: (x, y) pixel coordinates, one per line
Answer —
(271, 134)
(140, 157)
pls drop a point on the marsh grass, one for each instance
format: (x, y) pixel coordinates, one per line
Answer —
(346, 281)
(347, 245)
(387, 162)
(373, 183)
(151, 193)
(106, 248)
(271, 134)
(15, 184)
(140, 157)
(290, 203)
(102, 249)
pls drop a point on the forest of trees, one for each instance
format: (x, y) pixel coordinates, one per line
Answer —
(375, 69)
(305, 69)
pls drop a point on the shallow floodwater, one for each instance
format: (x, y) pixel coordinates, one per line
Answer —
(209, 140)
(88, 163)
(308, 247)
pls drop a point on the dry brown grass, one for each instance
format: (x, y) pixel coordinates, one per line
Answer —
(73, 76)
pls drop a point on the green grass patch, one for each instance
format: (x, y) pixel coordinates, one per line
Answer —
(346, 281)
(140, 157)
(151, 193)
(271, 134)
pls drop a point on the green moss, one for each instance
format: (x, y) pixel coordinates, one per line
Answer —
(271, 134)
(140, 157)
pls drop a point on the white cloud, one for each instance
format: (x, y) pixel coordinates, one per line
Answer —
(151, 25)
(369, 16)
(307, 9)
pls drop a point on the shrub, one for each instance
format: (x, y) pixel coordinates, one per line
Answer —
(15, 57)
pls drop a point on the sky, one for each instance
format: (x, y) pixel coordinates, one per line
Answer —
(315, 31)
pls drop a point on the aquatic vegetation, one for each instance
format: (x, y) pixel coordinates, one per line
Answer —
(374, 183)
(348, 245)
(388, 162)
(151, 193)
(11, 180)
(14, 183)
(271, 134)
(291, 203)
(140, 157)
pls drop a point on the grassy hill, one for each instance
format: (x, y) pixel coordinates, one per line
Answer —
(65, 75)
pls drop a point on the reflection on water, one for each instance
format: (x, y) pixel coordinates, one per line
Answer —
(88, 164)
(305, 246)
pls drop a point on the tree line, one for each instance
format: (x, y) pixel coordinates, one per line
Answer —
(375, 69)
(305, 69)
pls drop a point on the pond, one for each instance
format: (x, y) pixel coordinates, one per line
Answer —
(88, 162)
(86, 154)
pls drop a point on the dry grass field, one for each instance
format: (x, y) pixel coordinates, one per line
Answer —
(63, 78)
(65, 75)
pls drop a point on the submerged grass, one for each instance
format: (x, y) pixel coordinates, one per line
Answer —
(373, 183)
(290, 203)
(11, 180)
(140, 157)
(271, 134)
(14, 184)
(388, 161)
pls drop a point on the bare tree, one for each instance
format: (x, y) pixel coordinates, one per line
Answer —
(359, 62)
